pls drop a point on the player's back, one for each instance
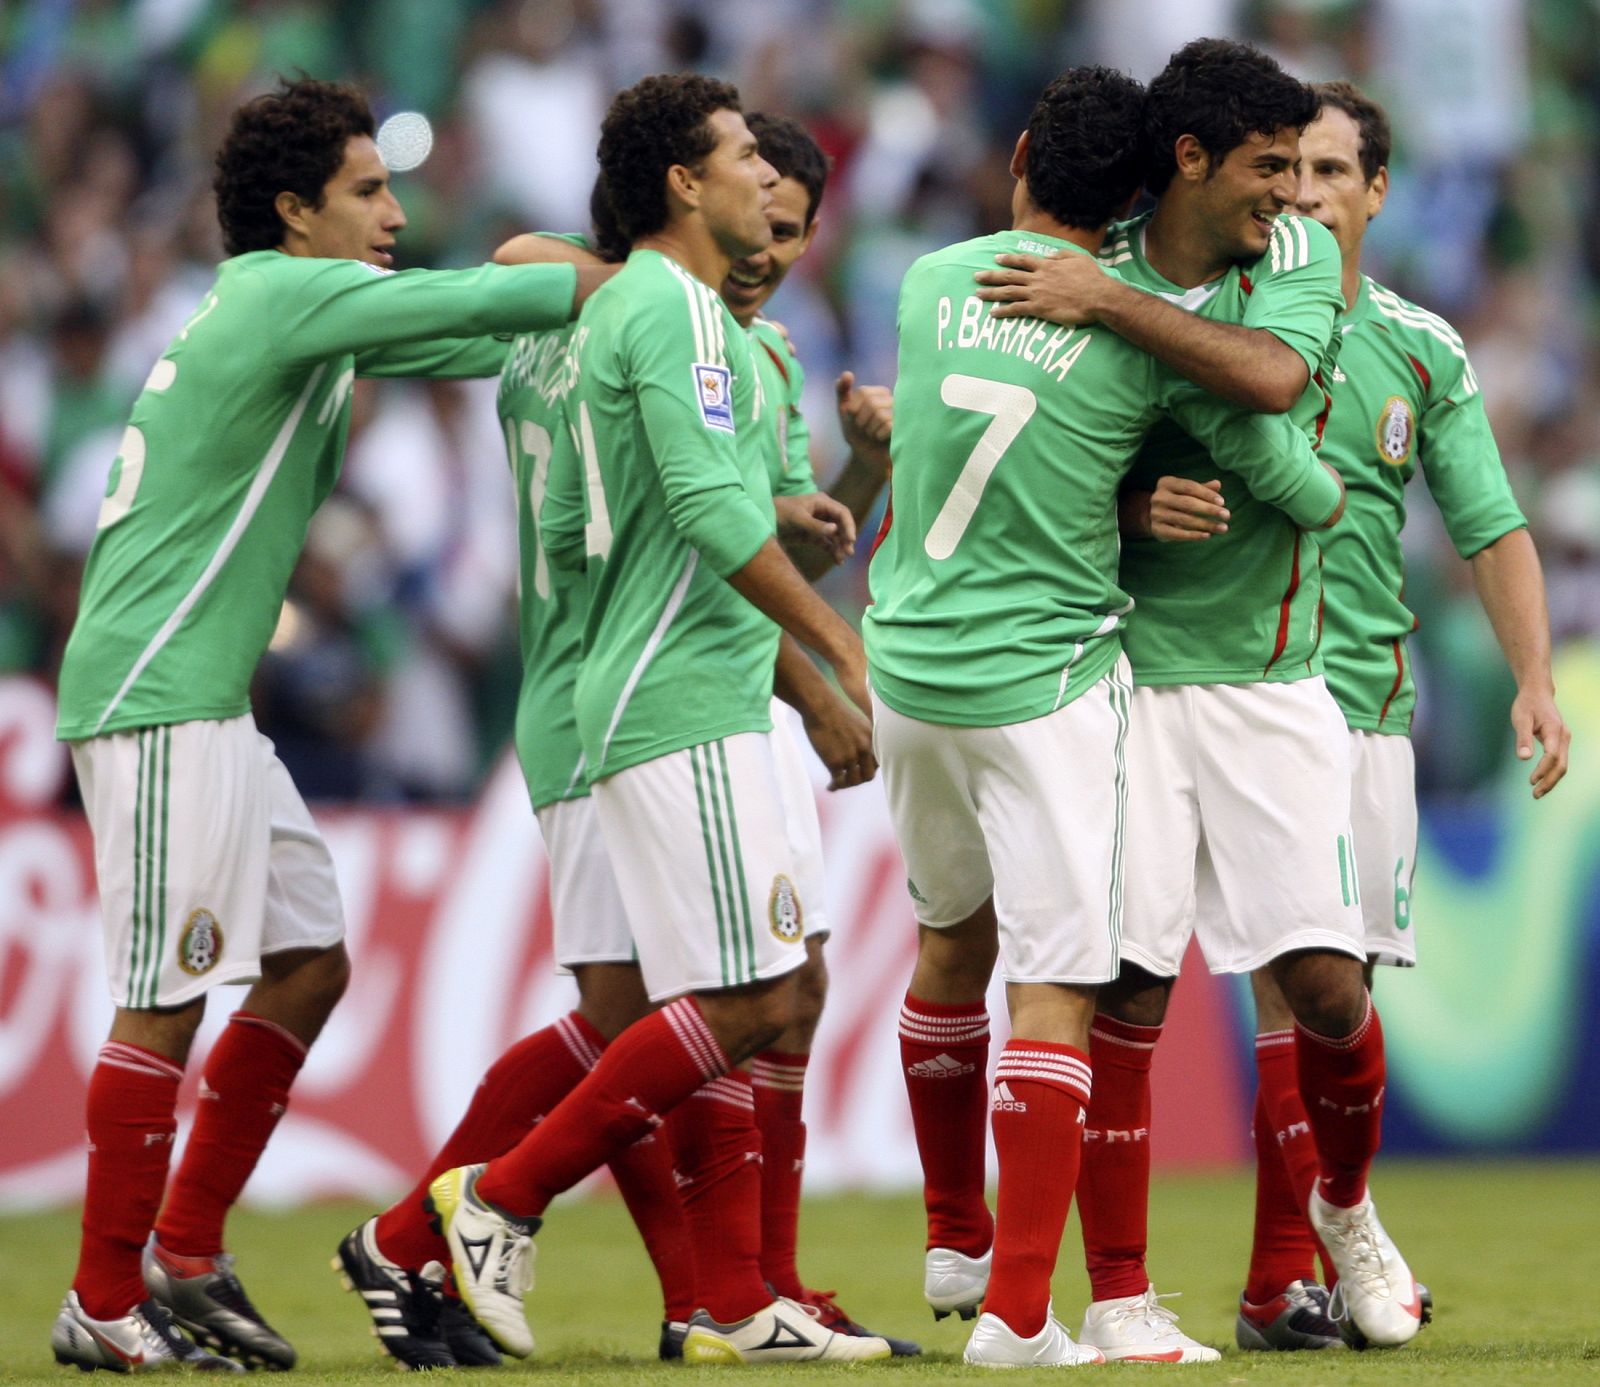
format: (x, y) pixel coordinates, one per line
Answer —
(995, 595)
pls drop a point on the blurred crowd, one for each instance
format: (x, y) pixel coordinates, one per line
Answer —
(394, 668)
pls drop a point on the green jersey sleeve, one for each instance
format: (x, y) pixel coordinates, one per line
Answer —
(783, 385)
(1295, 292)
(451, 358)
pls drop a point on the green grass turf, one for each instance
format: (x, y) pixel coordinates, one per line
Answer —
(1510, 1251)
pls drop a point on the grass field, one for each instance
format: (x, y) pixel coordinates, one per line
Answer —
(1512, 1252)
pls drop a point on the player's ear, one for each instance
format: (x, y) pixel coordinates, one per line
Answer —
(1377, 191)
(683, 185)
(1019, 156)
(292, 210)
(1193, 163)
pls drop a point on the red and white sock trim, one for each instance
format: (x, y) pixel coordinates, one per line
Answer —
(1109, 1031)
(1060, 1068)
(122, 1056)
(732, 1089)
(786, 1077)
(1274, 1040)
(695, 1037)
(579, 1045)
(1343, 1042)
(929, 1028)
(244, 1018)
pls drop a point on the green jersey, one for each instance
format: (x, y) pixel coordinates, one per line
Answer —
(1243, 606)
(1403, 394)
(233, 444)
(786, 438)
(995, 593)
(667, 494)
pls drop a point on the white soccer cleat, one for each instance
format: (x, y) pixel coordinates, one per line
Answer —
(143, 1339)
(1376, 1303)
(492, 1254)
(994, 1344)
(782, 1333)
(1138, 1329)
(954, 1283)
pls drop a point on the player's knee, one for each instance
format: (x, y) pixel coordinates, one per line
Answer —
(1326, 992)
(811, 987)
(1136, 997)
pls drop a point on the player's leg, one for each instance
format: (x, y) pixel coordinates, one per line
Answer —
(180, 831)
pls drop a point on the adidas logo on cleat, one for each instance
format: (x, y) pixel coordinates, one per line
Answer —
(939, 1067)
(1005, 1100)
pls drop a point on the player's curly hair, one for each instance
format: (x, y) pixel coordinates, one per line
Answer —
(609, 242)
(1085, 146)
(1372, 122)
(1221, 92)
(290, 140)
(655, 124)
(789, 148)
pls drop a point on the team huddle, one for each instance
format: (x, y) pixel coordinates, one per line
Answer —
(1134, 672)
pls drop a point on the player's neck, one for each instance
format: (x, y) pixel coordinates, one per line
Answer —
(1177, 247)
(1031, 219)
(693, 249)
(1351, 281)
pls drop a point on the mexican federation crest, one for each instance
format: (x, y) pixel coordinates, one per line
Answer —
(784, 912)
(1397, 431)
(200, 944)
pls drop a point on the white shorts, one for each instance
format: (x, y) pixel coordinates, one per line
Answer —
(591, 925)
(1238, 826)
(700, 847)
(1383, 813)
(1030, 813)
(800, 813)
(206, 857)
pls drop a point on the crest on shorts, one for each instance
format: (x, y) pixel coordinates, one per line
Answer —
(784, 912)
(200, 944)
(1396, 431)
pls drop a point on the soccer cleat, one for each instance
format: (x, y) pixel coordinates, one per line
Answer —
(670, 1347)
(1137, 1329)
(785, 1332)
(1425, 1299)
(1376, 1303)
(954, 1283)
(994, 1344)
(1295, 1318)
(405, 1307)
(464, 1336)
(143, 1339)
(492, 1254)
(827, 1312)
(204, 1297)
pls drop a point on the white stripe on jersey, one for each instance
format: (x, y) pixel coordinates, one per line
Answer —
(1305, 240)
(674, 601)
(688, 282)
(230, 541)
(1391, 305)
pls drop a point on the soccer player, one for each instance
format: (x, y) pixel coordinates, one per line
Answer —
(1239, 761)
(1002, 699)
(210, 869)
(668, 500)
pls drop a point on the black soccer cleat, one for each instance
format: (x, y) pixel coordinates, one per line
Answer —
(404, 1306)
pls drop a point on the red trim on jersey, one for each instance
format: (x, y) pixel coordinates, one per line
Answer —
(1399, 677)
(777, 359)
(1322, 603)
(1283, 607)
(1245, 284)
(883, 528)
(1421, 370)
(1327, 408)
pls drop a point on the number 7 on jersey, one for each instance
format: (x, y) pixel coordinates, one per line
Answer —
(1011, 407)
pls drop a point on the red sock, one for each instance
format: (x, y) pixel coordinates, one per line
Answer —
(1114, 1184)
(244, 1090)
(779, 1080)
(719, 1166)
(131, 1116)
(1341, 1084)
(647, 1070)
(1041, 1090)
(1282, 1247)
(648, 1187)
(518, 1090)
(944, 1052)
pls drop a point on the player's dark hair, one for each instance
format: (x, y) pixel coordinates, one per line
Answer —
(1372, 122)
(789, 148)
(609, 242)
(289, 141)
(1221, 92)
(655, 124)
(1085, 149)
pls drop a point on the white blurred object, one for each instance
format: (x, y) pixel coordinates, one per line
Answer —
(405, 140)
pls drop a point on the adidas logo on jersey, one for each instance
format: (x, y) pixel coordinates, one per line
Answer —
(939, 1067)
(1005, 1101)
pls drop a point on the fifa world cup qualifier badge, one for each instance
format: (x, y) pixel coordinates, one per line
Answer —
(1397, 430)
(784, 912)
(714, 389)
(200, 944)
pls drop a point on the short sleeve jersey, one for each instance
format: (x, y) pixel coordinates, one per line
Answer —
(676, 498)
(995, 594)
(234, 442)
(1404, 397)
(1241, 607)
(786, 437)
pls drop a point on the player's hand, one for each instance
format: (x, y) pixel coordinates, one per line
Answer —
(816, 519)
(1065, 289)
(1182, 511)
(866, 418)
(841, 734)
(1534, 715)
